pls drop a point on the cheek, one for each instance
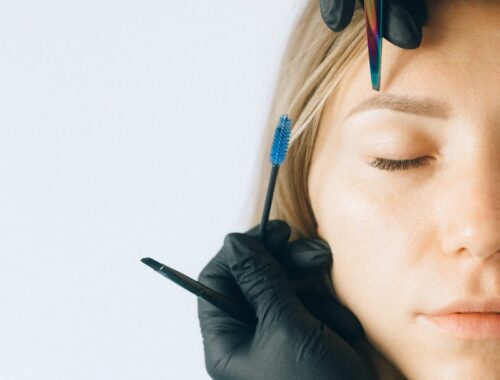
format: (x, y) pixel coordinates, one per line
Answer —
(371, 244)
(371, 266)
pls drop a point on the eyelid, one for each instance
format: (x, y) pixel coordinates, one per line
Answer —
(386, 164)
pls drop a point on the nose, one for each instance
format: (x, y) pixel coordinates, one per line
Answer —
(472, 212)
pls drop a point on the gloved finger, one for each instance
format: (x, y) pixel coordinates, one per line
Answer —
(336, 316)
(337, 14)
(261, 278)
(400, 28)
(308, 263)
(402, 22)
(276, 237)
(217, 276)
(217, 273)
(304, 257)
(224, 332)
(416, 8)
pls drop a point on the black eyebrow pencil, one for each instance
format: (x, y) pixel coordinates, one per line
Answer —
(245, 314)
(197, 288)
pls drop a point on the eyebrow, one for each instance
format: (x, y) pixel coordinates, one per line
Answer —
(401, 103)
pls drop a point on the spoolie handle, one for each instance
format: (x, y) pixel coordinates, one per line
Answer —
(268, 202)
(277, 156)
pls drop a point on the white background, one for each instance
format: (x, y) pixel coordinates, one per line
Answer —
(127, 129)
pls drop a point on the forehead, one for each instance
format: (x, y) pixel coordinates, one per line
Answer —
(458, 60)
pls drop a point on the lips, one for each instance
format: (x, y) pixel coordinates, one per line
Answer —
(468, 325)
(491, 305)
(471, 319)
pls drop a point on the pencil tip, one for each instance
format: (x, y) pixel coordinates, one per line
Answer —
(151, 263)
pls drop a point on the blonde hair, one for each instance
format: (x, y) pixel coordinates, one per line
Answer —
(313, 65)
(315, 61)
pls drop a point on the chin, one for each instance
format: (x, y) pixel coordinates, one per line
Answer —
(460, 369)
(465, 360)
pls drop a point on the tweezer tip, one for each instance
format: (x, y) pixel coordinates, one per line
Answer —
(375, 82)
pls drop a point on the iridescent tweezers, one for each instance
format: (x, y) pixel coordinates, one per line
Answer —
(373, 14)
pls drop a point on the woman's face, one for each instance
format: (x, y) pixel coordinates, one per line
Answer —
(409, 242)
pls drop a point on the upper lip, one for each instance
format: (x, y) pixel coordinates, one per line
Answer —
(491, 305)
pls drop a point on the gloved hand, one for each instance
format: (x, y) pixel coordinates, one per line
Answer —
(402, 19)
(308, 264)
(288, 341)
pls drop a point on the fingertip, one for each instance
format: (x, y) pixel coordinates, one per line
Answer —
(273, 226)
(230, 238)
(322, 243)
(400, 28)
(416, 8)
(304, 257)
(409, 41)
(276, 236)
(345, 322)
(337, 14)
(239, 248)
(278, 224)
(312, 250)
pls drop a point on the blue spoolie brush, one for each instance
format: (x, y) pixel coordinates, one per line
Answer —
(241, 312)
(276, 157)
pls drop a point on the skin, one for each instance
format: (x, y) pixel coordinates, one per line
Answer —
(409, 242)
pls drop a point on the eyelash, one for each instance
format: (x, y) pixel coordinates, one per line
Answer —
(392, 165)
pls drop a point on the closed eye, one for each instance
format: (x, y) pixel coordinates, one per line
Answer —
(392, 165)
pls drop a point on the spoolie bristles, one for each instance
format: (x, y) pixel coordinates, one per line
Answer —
(280, 141)
(278, 153)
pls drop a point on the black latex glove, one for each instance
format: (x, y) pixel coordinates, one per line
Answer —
(308, 264)
(287, 342)
(402, 19)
